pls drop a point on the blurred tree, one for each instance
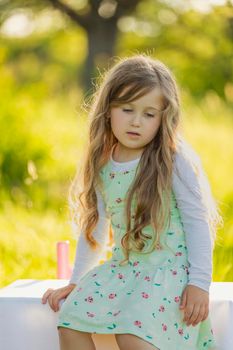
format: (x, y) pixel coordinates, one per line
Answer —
(198, 45)
(97, 17)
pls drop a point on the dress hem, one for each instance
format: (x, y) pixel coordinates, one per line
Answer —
(85, 329)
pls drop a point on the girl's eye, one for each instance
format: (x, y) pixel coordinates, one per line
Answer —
(130, 110)
(127, 110)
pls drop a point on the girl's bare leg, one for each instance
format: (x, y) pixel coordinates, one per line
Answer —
(133, 342)
(71, 339)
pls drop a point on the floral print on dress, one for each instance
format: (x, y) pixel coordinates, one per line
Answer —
(143, 296)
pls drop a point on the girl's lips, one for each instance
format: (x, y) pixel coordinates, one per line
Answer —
(133, 133)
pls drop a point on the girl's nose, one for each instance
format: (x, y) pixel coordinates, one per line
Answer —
(136, 120)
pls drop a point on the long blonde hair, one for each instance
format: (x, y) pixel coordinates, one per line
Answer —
(153, 181)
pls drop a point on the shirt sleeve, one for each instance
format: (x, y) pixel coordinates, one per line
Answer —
(85, 257)
(194, 216)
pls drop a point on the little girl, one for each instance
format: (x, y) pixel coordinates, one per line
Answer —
(143, 183)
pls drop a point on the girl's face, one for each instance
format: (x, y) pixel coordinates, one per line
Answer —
(141, 116)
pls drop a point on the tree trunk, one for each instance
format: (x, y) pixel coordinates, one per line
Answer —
(101, 45)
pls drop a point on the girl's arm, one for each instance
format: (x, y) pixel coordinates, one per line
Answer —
(85, 257)
(194, 216)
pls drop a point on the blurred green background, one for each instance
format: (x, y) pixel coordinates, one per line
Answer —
(49, 60)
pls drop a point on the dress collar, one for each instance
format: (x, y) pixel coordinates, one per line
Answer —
(123, 165)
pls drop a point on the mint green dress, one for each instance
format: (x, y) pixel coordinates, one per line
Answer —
(143, 296)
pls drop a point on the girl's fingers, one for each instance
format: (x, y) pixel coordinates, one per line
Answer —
(46, 295)
(200, 315)
(194, 315)
(54, 296)
(205, 314)
(188, 312)
(54, 302)
(50, 300)
(58, 296)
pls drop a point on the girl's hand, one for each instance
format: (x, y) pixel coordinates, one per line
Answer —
(195, 304)
(55, 295)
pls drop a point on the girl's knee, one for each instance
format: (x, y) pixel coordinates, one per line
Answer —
(71, 339)
(133, 342)
(68, 332)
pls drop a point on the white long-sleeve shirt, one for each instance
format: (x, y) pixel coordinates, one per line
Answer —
(193, 212)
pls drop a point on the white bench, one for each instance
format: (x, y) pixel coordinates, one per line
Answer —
(27, 324)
